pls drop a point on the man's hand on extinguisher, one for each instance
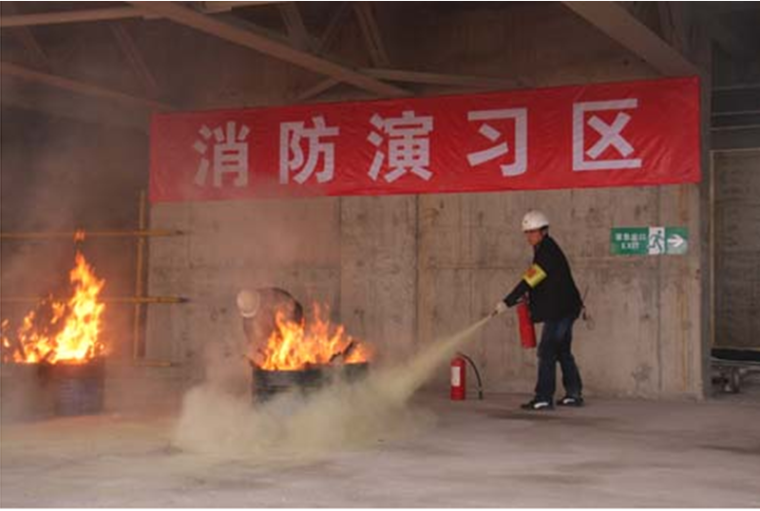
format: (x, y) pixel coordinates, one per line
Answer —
(500, 308)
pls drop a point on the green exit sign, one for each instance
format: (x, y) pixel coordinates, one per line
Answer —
(649, 240)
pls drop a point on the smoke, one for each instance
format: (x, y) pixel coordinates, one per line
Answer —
(59, 175)
(219, 420)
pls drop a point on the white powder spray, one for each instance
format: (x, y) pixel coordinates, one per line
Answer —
(218, 422)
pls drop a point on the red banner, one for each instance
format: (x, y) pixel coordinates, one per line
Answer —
(620, 134)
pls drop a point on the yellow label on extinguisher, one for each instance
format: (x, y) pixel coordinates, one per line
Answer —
(534, 276)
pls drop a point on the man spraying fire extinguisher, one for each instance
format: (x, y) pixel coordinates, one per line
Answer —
(553, 300)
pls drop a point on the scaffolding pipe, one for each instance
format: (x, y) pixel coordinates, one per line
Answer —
(135, 363)
(89, 234)
(154, 363)
(112, 299)
(139, 300)
(139, 287)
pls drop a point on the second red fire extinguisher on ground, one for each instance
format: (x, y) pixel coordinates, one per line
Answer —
(458, 378)
(459, 362)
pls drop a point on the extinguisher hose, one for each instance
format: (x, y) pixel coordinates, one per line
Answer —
(477, 374)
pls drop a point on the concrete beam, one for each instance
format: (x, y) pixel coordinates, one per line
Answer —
(333, 27)
(135, 59)
(673, 25)
(398, 75)
(468, 83)
(54, 107)
(107, 14)
(317, 89)
(294, 24)
(234, 34)
(371, 34)
(622, 26)
(212, 7)
(78, 16)
(323, 45)
(36, 54)
(24, 35)
(86, 89)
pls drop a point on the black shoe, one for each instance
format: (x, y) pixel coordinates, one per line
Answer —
(570, 401)
(538, 404)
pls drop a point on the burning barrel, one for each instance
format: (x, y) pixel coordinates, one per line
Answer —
(270, 383)
(77, 389)
(355, 371)
(303, 354)
(61, 338)
(267, 384)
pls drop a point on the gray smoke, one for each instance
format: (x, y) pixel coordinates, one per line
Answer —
(219, 420)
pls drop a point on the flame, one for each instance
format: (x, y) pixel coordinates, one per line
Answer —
(58, 331)
(298, 345)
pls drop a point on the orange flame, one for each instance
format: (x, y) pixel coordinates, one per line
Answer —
(296, 346)
(66, 332)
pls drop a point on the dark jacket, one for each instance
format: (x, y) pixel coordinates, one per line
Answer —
(549, 284)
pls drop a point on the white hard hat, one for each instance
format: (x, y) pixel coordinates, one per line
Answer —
(534, 220)
(248, 303)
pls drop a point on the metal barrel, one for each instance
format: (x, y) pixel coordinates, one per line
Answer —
(355, 372)
(78, 389)
(267, 384)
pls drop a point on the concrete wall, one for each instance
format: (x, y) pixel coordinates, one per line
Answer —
(405, 270)
(737, 248)
(379, 254)
(644, 337)
(228, 246)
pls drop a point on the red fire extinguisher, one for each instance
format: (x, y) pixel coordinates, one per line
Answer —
(527, 330)
(458, 378)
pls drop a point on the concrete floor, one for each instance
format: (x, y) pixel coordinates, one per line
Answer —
(611, 453)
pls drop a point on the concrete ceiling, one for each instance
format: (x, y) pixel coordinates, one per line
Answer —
(187, 54)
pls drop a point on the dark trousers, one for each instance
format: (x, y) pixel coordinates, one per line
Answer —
(556, 341)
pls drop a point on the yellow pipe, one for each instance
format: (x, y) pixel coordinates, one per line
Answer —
(112, 299)
(89, 234)
(154, 363)
(146, 299)
(139, 280)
